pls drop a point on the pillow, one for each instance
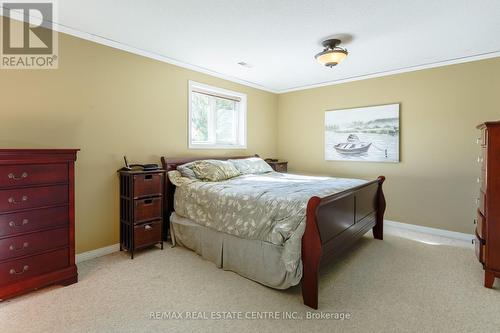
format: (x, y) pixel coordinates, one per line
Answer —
(186, 170)
(178, 180)
(251, 165)
(214, 170)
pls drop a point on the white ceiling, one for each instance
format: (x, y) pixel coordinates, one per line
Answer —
(280, 37)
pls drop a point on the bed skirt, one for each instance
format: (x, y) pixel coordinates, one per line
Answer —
(254, 259)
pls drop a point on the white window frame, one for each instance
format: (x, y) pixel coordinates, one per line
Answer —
(242, 112)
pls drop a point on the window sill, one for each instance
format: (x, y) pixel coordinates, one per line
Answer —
(221, 147)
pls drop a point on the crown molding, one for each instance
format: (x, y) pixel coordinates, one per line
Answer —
(402, 70)
(152, 55)
(137, 51)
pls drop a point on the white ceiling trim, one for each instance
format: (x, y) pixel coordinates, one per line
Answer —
(148, 54)
(134, 50)
(477, 57)
(128, 48)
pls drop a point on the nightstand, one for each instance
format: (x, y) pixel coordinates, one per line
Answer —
(141, 209)
(278, 165)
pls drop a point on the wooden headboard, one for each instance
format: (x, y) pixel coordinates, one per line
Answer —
(170, 164)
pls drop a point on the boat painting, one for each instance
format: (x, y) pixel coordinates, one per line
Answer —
(363, 134)
(352, 146)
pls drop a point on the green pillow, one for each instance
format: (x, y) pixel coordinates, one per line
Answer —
(186, 170)
(178, 180)
(252, 165)
(214, 170)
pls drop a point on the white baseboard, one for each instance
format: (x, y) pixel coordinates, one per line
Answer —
(389, 226)
(84, 256)
(451, 235)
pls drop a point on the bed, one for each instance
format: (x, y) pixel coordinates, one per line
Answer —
(323, 217)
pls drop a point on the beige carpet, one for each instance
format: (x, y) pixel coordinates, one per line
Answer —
(392, 285)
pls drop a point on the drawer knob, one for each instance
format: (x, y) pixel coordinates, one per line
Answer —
(13, 201)
(13, 271)
(14, 177)
(13, 248)
(13, 224)
(478, 180)
(475, 221)
(147, 227)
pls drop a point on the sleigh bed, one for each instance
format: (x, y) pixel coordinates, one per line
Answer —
(332, 224)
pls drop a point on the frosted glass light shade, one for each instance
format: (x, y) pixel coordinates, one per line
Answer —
(331, 58)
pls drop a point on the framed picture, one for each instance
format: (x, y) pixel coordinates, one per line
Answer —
(368, 134)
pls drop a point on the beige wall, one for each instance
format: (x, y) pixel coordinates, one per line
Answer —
(110, 103)
(435, 183)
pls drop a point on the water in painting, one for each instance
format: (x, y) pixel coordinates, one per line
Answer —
(363, 134)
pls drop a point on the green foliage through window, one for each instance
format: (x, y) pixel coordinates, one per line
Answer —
(216, 120)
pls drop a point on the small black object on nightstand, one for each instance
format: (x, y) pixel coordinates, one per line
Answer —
(277, 165)
(141, 209)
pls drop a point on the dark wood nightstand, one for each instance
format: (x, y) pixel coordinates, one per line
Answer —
(278, 165)
(141, 209)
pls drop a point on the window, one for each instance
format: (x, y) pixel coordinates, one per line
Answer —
(217, 118)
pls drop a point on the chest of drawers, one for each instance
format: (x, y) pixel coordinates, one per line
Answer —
(37, 224)
(487, 242)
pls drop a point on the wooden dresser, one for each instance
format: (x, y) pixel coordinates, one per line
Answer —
(487, 242)
(37, 219)
(141, 209)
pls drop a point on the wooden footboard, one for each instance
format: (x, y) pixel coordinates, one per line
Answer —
(333, 224)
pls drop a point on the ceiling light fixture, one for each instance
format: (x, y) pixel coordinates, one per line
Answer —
(332, 55)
